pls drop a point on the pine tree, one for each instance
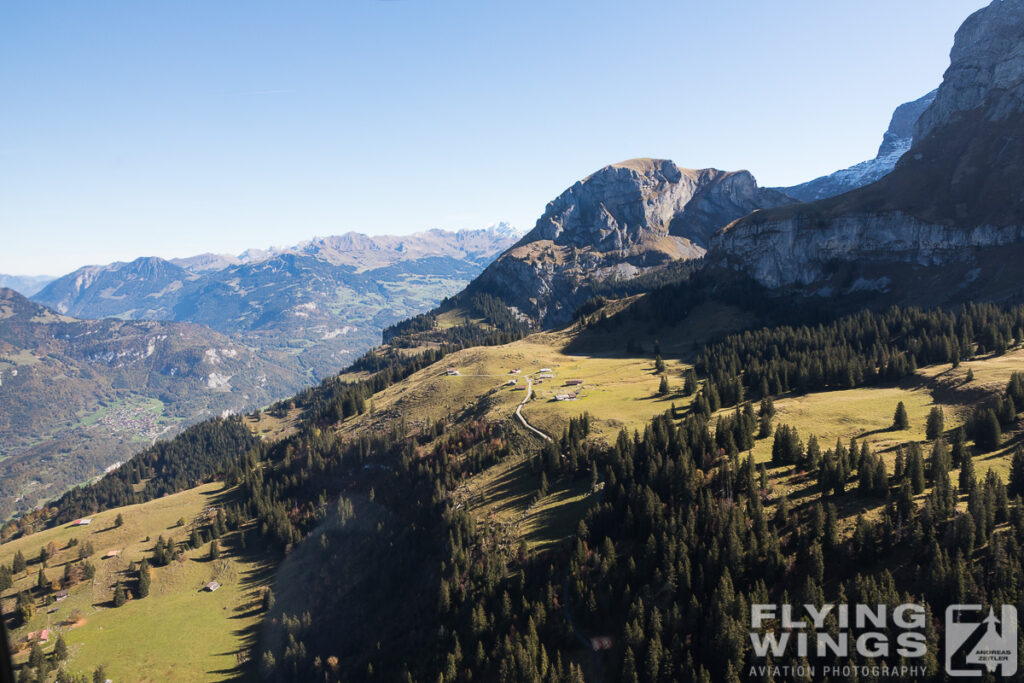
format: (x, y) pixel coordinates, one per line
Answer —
(1016, 487)
(25, 607)
(119, 521)
(144, 578)
(988, 434)
(42, 583)
(900, 420)
(967, 476)
(936, 423)
(663, 386)
(60, 649)
(214, 550)
(689, 382)
(119, 595)
(915, 470)
(19, 564)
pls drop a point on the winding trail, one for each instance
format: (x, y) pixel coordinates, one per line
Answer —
(519, 411)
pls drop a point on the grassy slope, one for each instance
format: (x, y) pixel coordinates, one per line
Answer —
(138, 641)
(620, 392)
(178, 632)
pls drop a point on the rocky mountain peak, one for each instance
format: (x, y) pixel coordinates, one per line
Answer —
(986, 68)
(621, 220)
(951, 210)
(895, 142)
(899, 135)
(621, 206)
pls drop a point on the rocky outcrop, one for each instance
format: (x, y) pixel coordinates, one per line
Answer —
(895, 142)
(623, 220)
(799, 251)
(986, 69)
(954, 199)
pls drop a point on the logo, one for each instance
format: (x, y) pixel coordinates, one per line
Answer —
(976, 642)
(877, 634)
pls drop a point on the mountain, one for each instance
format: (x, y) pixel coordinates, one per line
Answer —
(76, 396)
(526, 511)
(895, 142)
(25, 284)
(947, 224)
(623, 220)
(323, 301)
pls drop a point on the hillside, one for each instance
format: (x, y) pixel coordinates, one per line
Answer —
(353, 485)
(77, 397)
(141, 640)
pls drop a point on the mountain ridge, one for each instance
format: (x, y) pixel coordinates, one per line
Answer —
(896, 140)
(325, 300)
(621, 221)
(952, 202)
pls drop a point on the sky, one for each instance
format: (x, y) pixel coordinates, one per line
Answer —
(169, 129)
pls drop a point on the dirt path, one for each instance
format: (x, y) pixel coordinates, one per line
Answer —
(519, 408)
(519, 412)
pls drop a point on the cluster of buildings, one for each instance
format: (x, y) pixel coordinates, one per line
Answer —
(541, 375)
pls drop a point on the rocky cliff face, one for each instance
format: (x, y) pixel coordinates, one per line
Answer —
(986, 69)
(624, 219)
(895, 142)
(953, 201)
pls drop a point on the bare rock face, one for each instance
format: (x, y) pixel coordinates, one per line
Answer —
(624, 219)
(986, 69)
(956, 198)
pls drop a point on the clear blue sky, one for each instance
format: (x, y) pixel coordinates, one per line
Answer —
(172, 128)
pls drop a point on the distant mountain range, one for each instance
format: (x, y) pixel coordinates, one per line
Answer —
(26, 285)
(323, 301)
(126, 353)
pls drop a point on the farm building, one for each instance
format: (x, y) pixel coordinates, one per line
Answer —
(511, 383)
(112, 553)
(573, 382)
(545, 370)
(514, 371)
(451, 371)
(61, 595)
(85, 521)
(41, 636)
(545, 375)
(565, 397)
(212, 586)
